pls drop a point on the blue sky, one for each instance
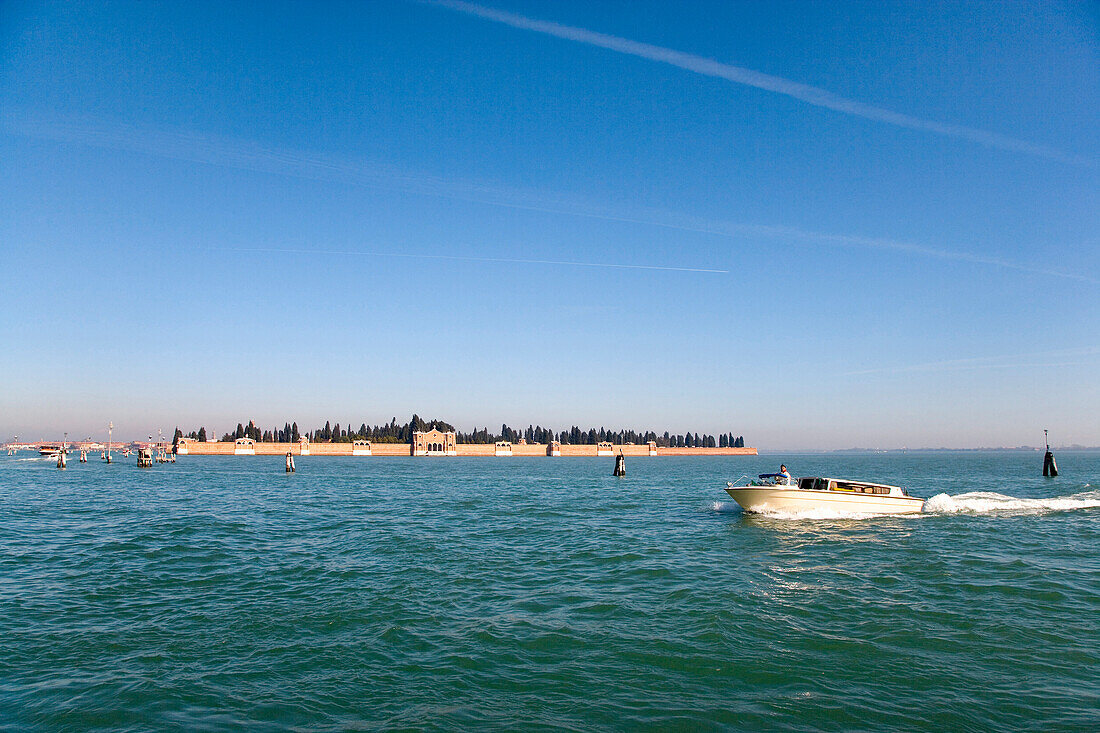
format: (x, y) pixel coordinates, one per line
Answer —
(819, 225)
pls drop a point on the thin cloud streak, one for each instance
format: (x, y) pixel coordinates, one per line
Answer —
(505, 260)
(249, 156)
(944, 254)
(1013, 361)
(759, 80)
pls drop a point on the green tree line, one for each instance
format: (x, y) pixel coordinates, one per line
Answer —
(392, 432)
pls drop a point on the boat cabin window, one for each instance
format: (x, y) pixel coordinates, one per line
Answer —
(806, 484)
(862, 488)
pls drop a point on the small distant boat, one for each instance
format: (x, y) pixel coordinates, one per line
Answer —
(775, 493)
(49, 450)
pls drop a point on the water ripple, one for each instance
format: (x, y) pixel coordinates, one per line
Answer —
(221, 594)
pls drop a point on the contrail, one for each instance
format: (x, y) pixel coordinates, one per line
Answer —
(509, 260)
(890, 244)
(250, 156)
(739, 75)
(1012, 361)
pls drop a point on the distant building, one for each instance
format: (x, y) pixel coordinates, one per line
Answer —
(434, 443)
(244, 447)
(503, 448)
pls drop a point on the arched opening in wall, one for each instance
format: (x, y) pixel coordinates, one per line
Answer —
(433, 443)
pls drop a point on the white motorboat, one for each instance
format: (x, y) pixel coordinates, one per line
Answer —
(776, 493)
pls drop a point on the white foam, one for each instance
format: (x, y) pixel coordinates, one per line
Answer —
(726, 507)
(989, 502)
(816, 513)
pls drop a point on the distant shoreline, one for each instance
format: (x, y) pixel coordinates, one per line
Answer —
(864, 451)
(400, 449)
(498, 450)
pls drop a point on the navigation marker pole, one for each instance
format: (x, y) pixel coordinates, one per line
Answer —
(1050, 468)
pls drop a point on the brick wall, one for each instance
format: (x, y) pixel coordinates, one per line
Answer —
(464, 449)
(706, 451)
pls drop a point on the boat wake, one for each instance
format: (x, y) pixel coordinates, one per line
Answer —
(990, 502)
(727, 507)
(974, 502)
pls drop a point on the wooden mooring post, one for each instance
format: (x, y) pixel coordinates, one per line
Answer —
(1050, 468)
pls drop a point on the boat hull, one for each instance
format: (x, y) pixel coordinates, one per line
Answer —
(765, 499)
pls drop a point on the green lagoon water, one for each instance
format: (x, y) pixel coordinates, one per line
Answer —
(526, 594)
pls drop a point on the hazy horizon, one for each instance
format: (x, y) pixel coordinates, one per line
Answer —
(816, 225)
(122, 434)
